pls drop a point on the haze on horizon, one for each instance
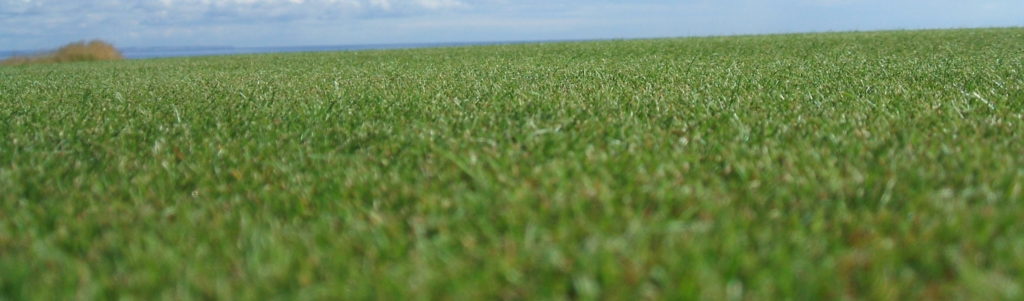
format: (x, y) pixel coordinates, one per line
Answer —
(40, 24)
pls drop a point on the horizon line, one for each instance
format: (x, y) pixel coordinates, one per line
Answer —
(5, 53)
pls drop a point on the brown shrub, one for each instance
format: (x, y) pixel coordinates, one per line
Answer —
(94, 50)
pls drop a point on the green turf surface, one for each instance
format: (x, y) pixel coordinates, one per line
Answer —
(884, 165)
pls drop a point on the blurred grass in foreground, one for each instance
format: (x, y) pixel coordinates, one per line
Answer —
(879, 165)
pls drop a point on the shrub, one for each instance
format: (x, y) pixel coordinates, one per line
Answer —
(95, 50)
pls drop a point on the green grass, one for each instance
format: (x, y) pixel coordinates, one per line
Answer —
(881, 165)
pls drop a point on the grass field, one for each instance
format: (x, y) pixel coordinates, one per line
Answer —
(880, 165)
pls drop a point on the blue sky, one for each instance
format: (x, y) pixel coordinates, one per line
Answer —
(38, 24)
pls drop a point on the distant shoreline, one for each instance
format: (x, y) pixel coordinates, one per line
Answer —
(168, 52)
(195, 51)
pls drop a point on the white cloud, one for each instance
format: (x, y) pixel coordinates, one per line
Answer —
(380, 4)
(385, 4)
(230, 7)
(28, 24)
(439, 4)
(70, 15)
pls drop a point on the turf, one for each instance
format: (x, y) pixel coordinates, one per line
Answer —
(877, 165)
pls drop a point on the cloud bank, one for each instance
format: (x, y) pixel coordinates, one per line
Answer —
(34, 24)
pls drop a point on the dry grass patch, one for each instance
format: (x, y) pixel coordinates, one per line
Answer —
(95, 50)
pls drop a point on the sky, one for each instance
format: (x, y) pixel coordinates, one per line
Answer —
(42, 24)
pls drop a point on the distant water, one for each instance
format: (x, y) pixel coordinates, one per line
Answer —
(159, 52)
